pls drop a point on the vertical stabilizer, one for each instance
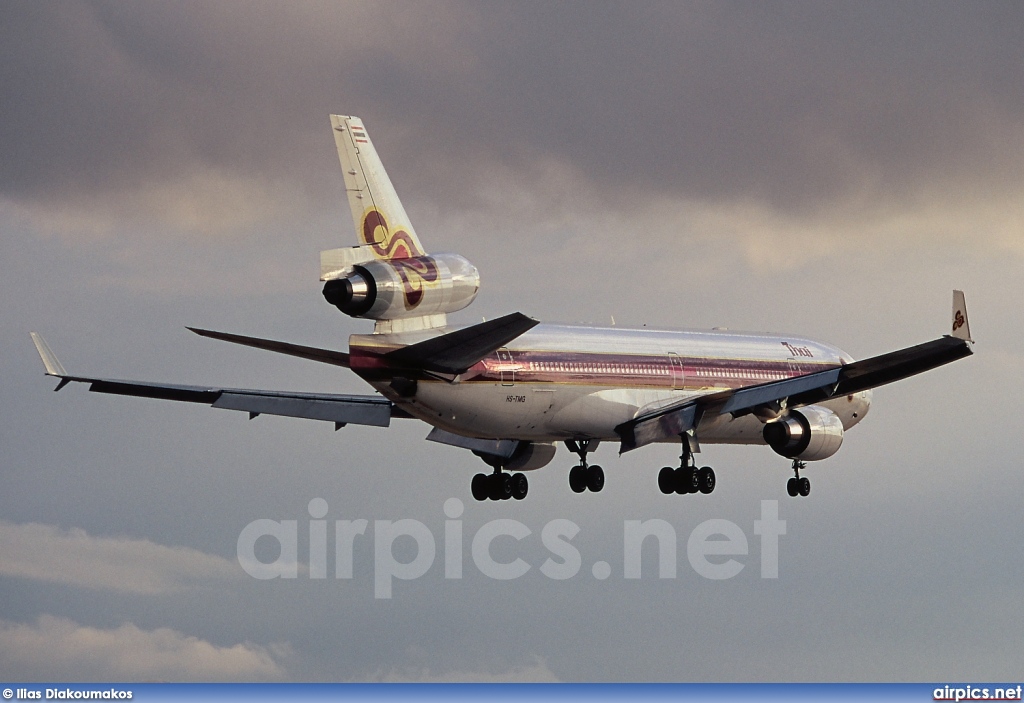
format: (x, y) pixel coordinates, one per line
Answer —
(378, 215)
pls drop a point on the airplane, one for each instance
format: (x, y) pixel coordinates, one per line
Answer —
(511, 389)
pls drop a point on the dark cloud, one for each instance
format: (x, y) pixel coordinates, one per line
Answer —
(796, 104)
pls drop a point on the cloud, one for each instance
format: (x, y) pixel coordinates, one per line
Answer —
(61, 649)
(75, 558)
(207, 117)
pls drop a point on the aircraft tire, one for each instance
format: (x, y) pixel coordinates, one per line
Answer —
(479, 487)
(805, 486)
(792, 487)
(595, 478)
(520, 486)
(577, 479)
(667, 480)
(500, 486)
(680, 476)
(693, 478)
(706, 478)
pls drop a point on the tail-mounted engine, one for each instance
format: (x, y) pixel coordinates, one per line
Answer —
(810, 433)
(396, 288)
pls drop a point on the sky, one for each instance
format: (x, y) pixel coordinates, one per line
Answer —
(831, 169)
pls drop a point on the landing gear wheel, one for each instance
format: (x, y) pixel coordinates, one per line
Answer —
(595, 478)
(805, 486)
(667, 480)
(479, 487)
(578, 479)
(793, 487)
(686, 480)
(706, 480)
(500, 486)
(520, 486)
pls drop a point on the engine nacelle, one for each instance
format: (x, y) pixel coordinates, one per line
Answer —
(530, 455)
(390, 289)
(526, 457)
(810, 433)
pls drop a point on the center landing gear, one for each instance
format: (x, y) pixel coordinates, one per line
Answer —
(500, 486)
(797, 486)
(687, 478)
(583, 477)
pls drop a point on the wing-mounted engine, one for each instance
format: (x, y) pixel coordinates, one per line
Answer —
(529, 456)
(393, 289)
(810, 433)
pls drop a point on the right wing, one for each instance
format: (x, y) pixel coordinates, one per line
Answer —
(684, 415)
(339, 409)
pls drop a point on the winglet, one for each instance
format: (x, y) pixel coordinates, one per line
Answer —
(961, 326)
(50, 362)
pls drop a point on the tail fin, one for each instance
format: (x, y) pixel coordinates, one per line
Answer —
(378, 215)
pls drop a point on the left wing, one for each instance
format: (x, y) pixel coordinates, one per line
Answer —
(339, 409)
(682, 416)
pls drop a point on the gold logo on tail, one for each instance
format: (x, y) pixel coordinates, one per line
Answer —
(958, 321)
(403, 254)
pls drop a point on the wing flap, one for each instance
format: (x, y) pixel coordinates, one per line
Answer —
(503, 448)
(671, 421)
(358, 410)
(752, 396)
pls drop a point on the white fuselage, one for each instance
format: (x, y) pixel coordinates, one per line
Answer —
(559, 382)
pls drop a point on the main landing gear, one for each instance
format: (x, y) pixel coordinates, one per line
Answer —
(687, 478)
(500, 486)
(797, 486)
(583, 477)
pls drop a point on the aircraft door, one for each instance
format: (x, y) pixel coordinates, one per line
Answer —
(676, 367)
(506, 367)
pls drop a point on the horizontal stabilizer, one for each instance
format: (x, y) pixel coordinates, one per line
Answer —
(334, 263)
(455, 352)
(325, 356)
